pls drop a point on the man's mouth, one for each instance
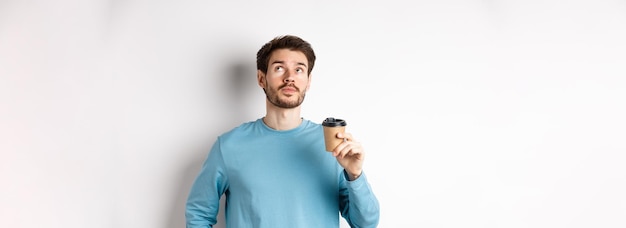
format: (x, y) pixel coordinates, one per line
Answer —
(289, 89)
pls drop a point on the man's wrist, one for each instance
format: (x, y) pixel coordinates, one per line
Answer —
(353, 175)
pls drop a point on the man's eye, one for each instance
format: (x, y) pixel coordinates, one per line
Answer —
(299, 70)
(279, 68)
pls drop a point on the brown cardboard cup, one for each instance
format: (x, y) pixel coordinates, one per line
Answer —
(331, 127)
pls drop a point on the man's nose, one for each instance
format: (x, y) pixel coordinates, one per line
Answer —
(288, 77)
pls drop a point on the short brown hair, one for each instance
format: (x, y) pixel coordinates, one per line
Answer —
(290, 42)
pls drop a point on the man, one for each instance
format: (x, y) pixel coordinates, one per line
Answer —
(275, 171)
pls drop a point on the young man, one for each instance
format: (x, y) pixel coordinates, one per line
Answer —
(275, 171)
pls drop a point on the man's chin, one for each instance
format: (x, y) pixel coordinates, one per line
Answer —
(289, 104)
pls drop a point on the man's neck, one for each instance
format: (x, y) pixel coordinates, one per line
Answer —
(282, 119)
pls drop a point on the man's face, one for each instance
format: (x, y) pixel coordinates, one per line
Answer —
(287, 79)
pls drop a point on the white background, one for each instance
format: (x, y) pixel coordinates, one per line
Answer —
(472, 113)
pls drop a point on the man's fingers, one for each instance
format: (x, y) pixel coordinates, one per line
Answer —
(345, 136)
(347, 149)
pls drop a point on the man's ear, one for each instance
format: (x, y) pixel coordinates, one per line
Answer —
(260, 78)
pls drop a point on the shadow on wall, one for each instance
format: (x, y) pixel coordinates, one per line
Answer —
(237, 92)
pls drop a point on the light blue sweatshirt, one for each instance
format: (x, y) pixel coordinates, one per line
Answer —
(275, 179)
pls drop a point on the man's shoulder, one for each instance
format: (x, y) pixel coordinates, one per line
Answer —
(243, 129)
(312, 123)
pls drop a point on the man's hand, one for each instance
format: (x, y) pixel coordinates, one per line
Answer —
(350, 155)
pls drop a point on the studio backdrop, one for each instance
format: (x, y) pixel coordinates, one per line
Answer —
(481, 114)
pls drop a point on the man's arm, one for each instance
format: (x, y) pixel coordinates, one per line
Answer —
(203, 201)
(358, 203)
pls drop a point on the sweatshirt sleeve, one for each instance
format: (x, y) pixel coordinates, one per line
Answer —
(211, 183)
(358, 203)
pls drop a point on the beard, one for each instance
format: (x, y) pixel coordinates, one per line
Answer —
(273, 97)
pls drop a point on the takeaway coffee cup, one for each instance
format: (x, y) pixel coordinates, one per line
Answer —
(331, 127)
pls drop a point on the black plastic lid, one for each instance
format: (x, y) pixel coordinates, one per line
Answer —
(332, 122)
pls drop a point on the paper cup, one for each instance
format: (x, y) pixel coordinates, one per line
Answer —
(331, 127)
